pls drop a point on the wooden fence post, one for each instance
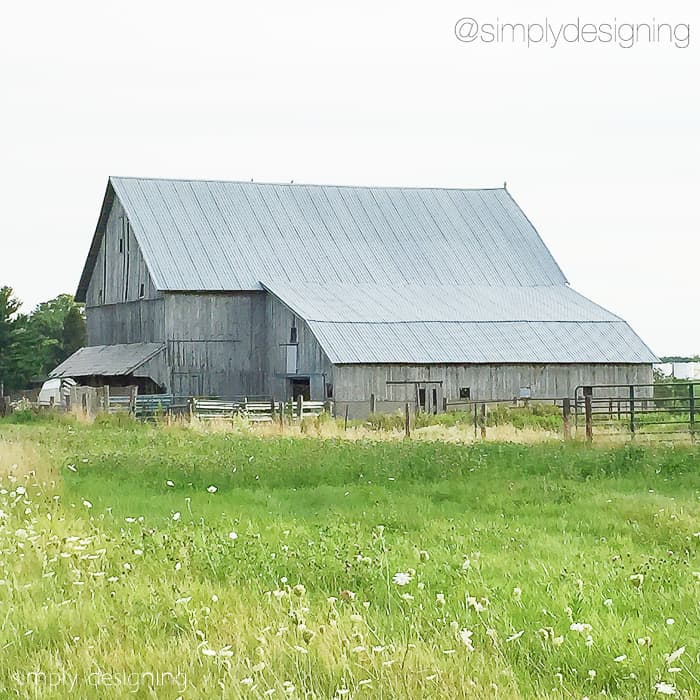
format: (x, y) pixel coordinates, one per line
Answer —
(372, 403)
(347, 410)
(632, 425)
(300, 406)
(282, 416)
(476, 420)
(589, 417)
(484, 411)
(566, 411)
(132, 399)
(691, 410)
(408, 420)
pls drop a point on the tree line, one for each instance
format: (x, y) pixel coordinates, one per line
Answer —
(33, 344)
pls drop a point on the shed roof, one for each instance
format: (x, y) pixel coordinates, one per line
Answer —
(459, 324)
(107, 360)
(212, 235)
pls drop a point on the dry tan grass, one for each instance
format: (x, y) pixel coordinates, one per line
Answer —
(335, 430)
(22, 460)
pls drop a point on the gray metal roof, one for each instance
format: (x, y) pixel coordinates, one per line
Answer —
(452, 324)
(210, 235)
(378, 303)
(107, 360)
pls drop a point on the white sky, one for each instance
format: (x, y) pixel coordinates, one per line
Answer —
(599, 144)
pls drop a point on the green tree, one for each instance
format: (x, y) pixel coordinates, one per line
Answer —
(74, 331)
(21, 347)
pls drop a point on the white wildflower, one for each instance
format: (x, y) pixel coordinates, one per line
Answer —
(177, 515)
(87, 504)
(675, 655)
(212, 489)
(515, 636)
(233, 535)
(401, 578)
(665, 688)
(169, 483)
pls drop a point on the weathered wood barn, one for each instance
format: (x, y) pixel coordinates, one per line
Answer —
(419, 294)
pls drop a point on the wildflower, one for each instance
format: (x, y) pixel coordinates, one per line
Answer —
(591, 674)
(620, 659)
(407, 596)
(675, 655)
(233, 535)
(670, 621)
(247, 681)
(177, 516)
(472, 602)
(608, 603)
(644, 641)
(515, 636)
(423, 555)
(347, 595)
(637, 580)
(557, 641)
(138, 552)
(356, 617)
(674, 669)
(665, 688)
(87, 504)
(260, 666)
(401, 579)
(589, 641)
(208, 652)
(465, 636)
(580, 627)
(466, 564)
(517, 593)
(440, 600)
(212, 489)
(183, 601)
(21, 491)
(299, 590)
(169, 483)
(130, 520)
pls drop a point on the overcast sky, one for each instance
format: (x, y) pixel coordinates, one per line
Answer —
(598, 143)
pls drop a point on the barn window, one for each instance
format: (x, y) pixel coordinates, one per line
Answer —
(121, 245)
(525, 392)
(465, 392)
(293, 335)
(142, 290)
(329, 391)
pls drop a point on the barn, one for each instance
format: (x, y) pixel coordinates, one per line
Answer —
(333, 292)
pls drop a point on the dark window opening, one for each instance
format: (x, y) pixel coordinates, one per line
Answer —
(421, 398)
(142, 291)
(588, 391)
(465, 392)
(300, 387)
(100, 297)
(329, 391)
(293, 335)
(121, 245)
(435, 406)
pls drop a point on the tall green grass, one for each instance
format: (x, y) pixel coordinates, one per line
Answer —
(544, 571)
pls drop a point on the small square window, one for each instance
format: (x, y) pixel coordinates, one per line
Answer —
(142, 291)
(329, 391)
(465, 392)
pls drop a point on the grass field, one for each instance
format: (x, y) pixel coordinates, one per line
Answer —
(162, 563)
